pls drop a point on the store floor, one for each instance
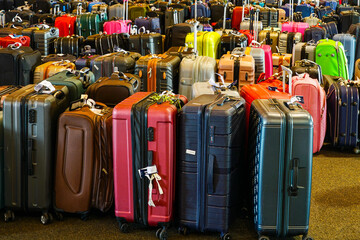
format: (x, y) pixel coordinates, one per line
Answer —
(335, 211)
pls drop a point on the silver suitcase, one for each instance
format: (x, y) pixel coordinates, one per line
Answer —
(303, 51)
(201, 88)
(283, 41)
(116, 11)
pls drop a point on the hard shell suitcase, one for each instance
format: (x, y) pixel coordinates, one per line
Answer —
(11, 39)
(267, 62)
(271, 38)
(28, 148)
(327, 81)
(355, 30)
(103, 43)
(211, 139)
(314, 33)
(50, 68)
(279, 161)
(305, 9)
(295, 27)
(150, 24)
(117, 26)
(195, 69)
(343, 115)
(280, 60)
(237, 68)
(94, 3)
(88, 24)
(84, 168)
(66, 25)
(17, 65)
(237, 17)
(312, 20)
(42, 39)
(85, 61)
(69, 45)
(146, 43)
(181, 52)
(201, 88)
(138, 10)
(357, 70)
(158, 73)
(313, 101)
(174, 16)
(307, 66)
(116, 11)
(269, 17)
(303, 50)
(207, 43)
(144, 133)
(203, 10)
(349, 43)
(287, 41)
(229, 42)
(104, 66)
(114, 89)
(58, 57)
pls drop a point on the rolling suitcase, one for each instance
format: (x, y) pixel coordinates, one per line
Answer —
(85, 61)
(112, 90)
(229, 42)
(69, 45)
(88, 24)
(207, 43)
(138, 10)
(117, 26)
(103, 43)
(181, 52)
(174, 16)
(307, 66)
(13, 39)
(237, 16)
(58, 57)
(150, 24)
(312, 20)
(305, 9)
(287, 41)
(263, 59)
(17, 65)
(295, 27)
(50, 68)
(201, 88)
(84, 168)
(42, 39)
(142, 129)
(327, 81)
(176, 35)
(280, 162)
(303, 50)
(146, 43)
(116, 11)
(66, 25)
(331, 29)
(29, 151)
(349, 43)
(271, 38)
(158, 73)
(203, 10)
(346, 19)
(314, 34)
(211, 139)
(279, 60)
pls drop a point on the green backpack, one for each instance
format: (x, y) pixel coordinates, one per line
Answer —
(330, 55)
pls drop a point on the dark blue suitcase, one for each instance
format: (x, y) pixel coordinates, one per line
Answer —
(280, 151)
(342, 8)
(331, 3)
(343, 115)
(202, 10)
(314, 33)
(151, 24)
(210, 153)
(322, 11)
(305, 9)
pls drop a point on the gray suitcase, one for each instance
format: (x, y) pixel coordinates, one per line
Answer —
(105, 65)
(287, 41)
(258, 55)
(42, 39)
(201, 88)
(30, 123)
(349, 43)
(280, 151)
(195, 69)
(303, 51)
(174, 16)
(116, 11)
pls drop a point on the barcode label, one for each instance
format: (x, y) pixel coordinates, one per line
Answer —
(191, 152)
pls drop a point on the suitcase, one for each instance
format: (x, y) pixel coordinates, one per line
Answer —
(204, 165)
(279, 60)
(201, 88)
(66, 25)
(181, 52)
(239, 69)
(323, 11)
(86, 61)
(296, 27)
(58, 57)
(158, 73)
(185, 7)
(287, 41)
(355, 30)
(195, 69)
(259, 61)
(92, 4)
(281, 15)
(102, 7)
(207, 43)
(327, 81)
(303, 50)
(271, 38)
(114, 89)
(50, 68)
(17, 65)
(105, 65)
(28, 148)
(103, 44)
(146, 43)
(6, 31)
(116, 11)
(305, 9)
(330, 55)
(312, 20)
(314, 33)
(346, 19)
(343, 115)
(307, 66)
(136, 200)
(229, 42)
(175, 35)
(269, 17)
(203, 10)
(237, 17)
(41, 5)
(279, 123)
(138, 10)
(217, 12)
(313, 101)
(13, 39)
(357, 70)
(349, 43)
(88, 24)
(117, 26)
(69, 45)
(174, 16)
(331, 29)
(84, 168)
(42, 39)
(150, 24)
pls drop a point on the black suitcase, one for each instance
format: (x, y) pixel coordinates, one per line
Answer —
(217, 12)
(346, 19)
(146, 43)
(229, 42)
(174, 16)
(69, 45)
(25, 15)
(175, 35)
(280, 153)
(210, 154)
(314, 33)
(331, 29)
(43, 6)
(17, 65)
(307, 66)
(30, 124)
(43, 18)
(103, 44)
(42, 39)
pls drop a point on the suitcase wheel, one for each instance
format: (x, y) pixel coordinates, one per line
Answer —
(84, 216)
(162, 234)
(306, 237)
(46, 218)
(124, 227)
(225, 236)
(9, 216)
(357, 150)
(183, 231)
(264, 238)
(59, 216)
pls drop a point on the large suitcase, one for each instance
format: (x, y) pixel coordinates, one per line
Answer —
(305, 9)
(203, 10)
(103, 43)
(346, 19)
(237, 16)
(69, 45)
(116, 11)
(343, 115)
(30, 121)
(269, 17)
(331, 29)
(144, 133)
(207, 43)
(349, 43)
(174, 16)
(303, 50)
(146, 43)
(42, 39)
(66, 25)
(17, 65)
(158, 73)
(84, 168)
(138, 10)
(117, 26)
(229, 42)
(151, 24)
(314, 34)
(281, 167)
(175, 35)
(88, 24)
(271, 38)
(287, 41)
(50, 68)
(112, 90)
(209, 162)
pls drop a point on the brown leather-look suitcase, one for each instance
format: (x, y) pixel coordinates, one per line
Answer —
(84, 169)
(114, 89)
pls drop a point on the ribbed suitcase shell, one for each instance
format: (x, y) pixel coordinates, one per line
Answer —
(284, 40)
(30, 122)
(146, 43)
(271, 38)
(349, 43)
(230, 41)
(211, 139)
(116, 10)
(281, 167)
(48, 69)
(207, 43)
(303, 51)
(69, 45)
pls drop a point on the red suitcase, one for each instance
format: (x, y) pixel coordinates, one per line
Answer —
(249, 34)
(144, 133)
(12, 39)
(66, 25)
(237, 17)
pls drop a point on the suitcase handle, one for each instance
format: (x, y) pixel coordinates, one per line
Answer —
(30, 159)
(294, 177)
(210, 172)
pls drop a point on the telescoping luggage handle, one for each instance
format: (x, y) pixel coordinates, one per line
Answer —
(285, 71)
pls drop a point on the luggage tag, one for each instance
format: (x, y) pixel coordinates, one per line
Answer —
(45, 87)
(151, 173)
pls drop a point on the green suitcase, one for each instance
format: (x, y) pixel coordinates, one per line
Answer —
(138, 10)
(90, 23)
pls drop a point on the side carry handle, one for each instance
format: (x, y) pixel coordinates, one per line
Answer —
(287, 71)
(210, 174)
(294, 178)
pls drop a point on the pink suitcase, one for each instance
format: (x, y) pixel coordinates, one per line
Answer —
(268, 58)
(295, 27)
(117, 26)
(314, 101)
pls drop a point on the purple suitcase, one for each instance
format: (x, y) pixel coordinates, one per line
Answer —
(151, 24)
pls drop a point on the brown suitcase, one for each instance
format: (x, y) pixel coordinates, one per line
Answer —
(281, 15)
(84, 168)
(230, 64)
(49, 69)
(270, 37)
(357, 70)
(279, 60)
(114, 89)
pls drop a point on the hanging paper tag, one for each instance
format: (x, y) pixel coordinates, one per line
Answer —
(299, 99)
(44, 87)
(147, 171)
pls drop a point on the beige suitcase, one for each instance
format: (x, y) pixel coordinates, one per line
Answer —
(279, 60)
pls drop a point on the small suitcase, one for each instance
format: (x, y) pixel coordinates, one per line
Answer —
(279, 123)
(28, 148)
(145, 126)
(66, 25)
(343, 115)
(50, 68)
(69, 45)
(84, 168)
(303, 50)
(204, 163)
(287, 41)
(158, 73)
(349, 43)
(314, 34)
